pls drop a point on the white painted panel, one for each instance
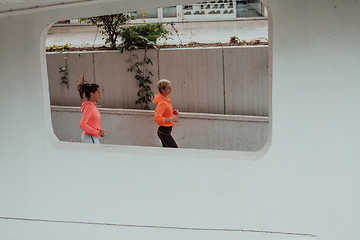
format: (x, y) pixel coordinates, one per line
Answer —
(306, 185)
(76, 64)
(119, 87)
(246, 80)
(196, 77)
(137, 128)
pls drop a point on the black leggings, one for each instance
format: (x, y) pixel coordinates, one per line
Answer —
(164, 133)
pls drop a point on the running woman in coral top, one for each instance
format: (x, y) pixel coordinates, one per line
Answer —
(90, 121)
(165, 116)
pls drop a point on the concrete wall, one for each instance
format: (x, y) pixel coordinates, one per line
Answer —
(304, 185)
(230, 80)
(137, 128)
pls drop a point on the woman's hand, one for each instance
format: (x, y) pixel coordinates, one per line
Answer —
(174, 119)
(102, 132)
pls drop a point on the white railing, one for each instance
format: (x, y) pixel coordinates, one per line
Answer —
(137, 128)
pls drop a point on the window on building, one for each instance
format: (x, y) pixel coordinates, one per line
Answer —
(223, 95)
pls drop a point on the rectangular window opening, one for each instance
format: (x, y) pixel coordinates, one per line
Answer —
(222, 94)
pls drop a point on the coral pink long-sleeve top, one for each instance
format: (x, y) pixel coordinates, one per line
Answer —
(90, 121)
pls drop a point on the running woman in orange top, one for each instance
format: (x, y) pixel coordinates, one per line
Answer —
(90, 121)
(165, 116)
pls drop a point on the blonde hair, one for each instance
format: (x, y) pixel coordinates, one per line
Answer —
(161, 84)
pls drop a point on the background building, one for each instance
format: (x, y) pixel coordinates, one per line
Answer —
(203, 11)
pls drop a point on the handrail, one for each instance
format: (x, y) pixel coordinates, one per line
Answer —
(205, 116)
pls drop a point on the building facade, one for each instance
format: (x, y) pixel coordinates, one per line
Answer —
(202, 11)
(303, 184)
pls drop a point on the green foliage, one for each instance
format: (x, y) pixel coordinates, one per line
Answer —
(234, 39)
(55, 48)
(191, 35)
(65, 47)
(64, 77)
(172, 24)
(142, 75)
(111, 25)
(142, 36)
(52, 48)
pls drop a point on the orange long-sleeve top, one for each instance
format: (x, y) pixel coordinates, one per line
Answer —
(163, 110)
(90, 121)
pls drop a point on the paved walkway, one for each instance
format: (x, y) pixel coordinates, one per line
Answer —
(204, 32)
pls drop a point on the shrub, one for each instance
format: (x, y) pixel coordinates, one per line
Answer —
(142, 36)
(111, 25)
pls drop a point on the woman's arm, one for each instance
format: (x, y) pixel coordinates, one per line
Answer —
(84, 122)
(173, 119)
(159, 111)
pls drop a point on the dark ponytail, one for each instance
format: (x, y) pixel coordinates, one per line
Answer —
(85, 88)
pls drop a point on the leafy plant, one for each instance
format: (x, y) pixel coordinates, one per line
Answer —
(144, 15)
(142, 75)
(172, 24)
(55, 48)
(191, 35)
(234, 39)
(142, 36)
(111, 25)
(66, 47)
(64, 77)
(52, 48)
